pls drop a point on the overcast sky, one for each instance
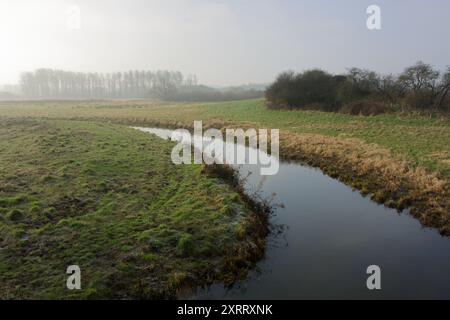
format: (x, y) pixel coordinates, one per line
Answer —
(225, 42)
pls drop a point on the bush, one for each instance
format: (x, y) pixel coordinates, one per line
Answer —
(419, 100)
(365, 108)
(313, 87)
(361, 91)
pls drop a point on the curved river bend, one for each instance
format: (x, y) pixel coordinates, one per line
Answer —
(331, 235)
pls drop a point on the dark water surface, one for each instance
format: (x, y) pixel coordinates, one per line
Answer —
(331, 235)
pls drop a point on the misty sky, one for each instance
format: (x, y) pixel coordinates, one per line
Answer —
(225, 42)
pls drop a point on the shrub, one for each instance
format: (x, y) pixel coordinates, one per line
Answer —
(312, 87)
(365, 108)
(419, 100)
(419, 87)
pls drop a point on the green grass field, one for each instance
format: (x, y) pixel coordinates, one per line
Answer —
(107, 198)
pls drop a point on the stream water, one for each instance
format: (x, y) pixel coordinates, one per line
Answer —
(330, 235)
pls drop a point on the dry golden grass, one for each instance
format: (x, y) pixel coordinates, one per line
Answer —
(389, 179)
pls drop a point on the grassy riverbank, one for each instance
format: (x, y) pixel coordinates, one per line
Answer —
(401, 160)
(108, 198)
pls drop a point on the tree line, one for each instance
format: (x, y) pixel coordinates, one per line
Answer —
(418, 87)
(60, 84)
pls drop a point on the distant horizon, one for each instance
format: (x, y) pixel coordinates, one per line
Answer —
(249, 83)
(225, 43)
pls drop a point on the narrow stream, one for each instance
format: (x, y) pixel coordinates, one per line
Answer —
(331, 235)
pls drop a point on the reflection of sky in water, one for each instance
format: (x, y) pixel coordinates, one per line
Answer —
(331, 235)
(241, 154)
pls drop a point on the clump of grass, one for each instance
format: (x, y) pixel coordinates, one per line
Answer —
(150, 257)
(15, 215)
(223, 172)
(185, 245)
(12, 201)
(176, 280)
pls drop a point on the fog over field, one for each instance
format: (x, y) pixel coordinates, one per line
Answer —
(222, 42)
